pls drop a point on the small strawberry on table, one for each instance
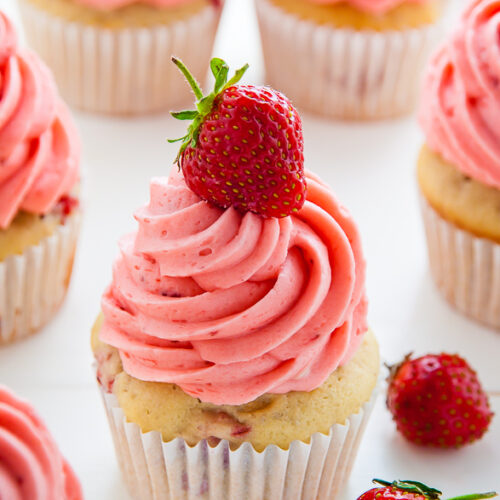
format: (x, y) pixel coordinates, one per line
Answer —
(413, 490)
(437, 400)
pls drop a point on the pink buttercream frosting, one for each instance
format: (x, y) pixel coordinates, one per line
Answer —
(230, 306)
(39, 147)
(31, 466)
(371, 6)
(460, 108)
(116, 4)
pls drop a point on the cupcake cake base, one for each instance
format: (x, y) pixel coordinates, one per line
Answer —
(33, 284)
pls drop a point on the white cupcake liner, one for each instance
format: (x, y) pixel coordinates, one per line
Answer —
(33, 284)
(466, 268)
(155, 470)
(343, 73)
(121, 71)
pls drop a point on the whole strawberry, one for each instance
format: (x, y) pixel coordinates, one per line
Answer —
(244, 147)
(412, 490)
(437, 400)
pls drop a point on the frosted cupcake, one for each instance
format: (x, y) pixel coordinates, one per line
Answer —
(32, 467)
(113, 56)
(39, 154)
(233, 351)
(350, 59)
(459, 166)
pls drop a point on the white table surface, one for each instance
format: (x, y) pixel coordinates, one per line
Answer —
(371, 168)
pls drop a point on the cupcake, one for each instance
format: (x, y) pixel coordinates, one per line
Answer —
(459, 165)
(349, 59)
(113, 56)
(233, 351)
(39, 215)
(32, 467)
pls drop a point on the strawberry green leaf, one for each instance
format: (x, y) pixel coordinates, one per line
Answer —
(204, 104)
(185, 115)
(189, 77)
(216, 65)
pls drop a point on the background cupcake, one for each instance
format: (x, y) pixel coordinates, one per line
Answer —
(238, 326)
(353, 59)
(459, 167)
(32, 465)
(113, 56)
(39, 154)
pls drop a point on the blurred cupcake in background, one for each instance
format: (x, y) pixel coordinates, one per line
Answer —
(32, 467)
(459, 166)
(39, 176)
(113, 56)
(349, 59)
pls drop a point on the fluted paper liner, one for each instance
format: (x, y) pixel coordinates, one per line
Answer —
(155, 470)
(33, 284)
(466, 268)
(121, 71)
(343, 73)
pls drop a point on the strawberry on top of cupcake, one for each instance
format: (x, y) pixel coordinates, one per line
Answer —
(246, 275)
(39, 146)
(31, 465)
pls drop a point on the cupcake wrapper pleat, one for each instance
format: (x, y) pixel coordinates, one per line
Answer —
(466, 268)
(342, 73)
(121, 71)
(154, 470)
(33, 284)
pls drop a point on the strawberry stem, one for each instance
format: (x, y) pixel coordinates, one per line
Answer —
(189, 77)
(475, 496)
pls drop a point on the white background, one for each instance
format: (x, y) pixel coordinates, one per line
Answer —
(371, 168)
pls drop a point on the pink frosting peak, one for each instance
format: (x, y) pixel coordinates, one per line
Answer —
(370, 6)
(39, 147)
(31, 466)
(116, 4)
(460, 108)
(230, 306)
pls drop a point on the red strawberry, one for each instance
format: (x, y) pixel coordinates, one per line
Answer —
(244, 147)
(437, 400)
(412, 490)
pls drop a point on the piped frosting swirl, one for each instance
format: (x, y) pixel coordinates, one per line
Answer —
(39, 146)
(460, 108)
(231, 306)
(31, 466)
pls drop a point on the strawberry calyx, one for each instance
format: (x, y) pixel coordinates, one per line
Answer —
(411, 487)
(418, 488)
(204, 104)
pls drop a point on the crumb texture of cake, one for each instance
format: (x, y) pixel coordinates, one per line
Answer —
(458, 198)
